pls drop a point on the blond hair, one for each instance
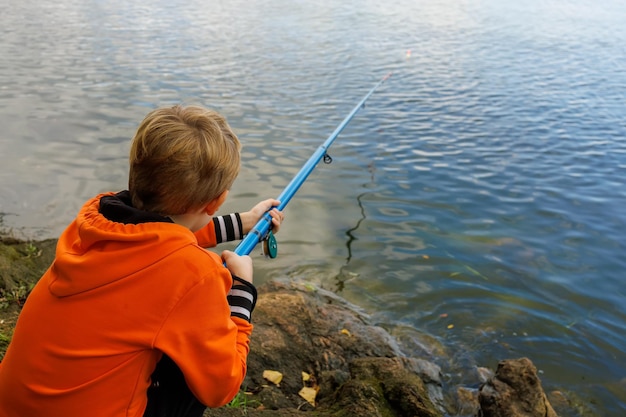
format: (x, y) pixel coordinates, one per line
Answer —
(182, 158)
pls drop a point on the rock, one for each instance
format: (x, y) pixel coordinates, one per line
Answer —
(357, 368)
(484, 374)
(22, 264)
(430, 373)
(466, 401)
(514, 391)
(383, 386)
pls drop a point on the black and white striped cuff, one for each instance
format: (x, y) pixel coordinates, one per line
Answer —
(228, 228)
(242, 298)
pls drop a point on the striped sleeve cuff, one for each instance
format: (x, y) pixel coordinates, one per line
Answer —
(242, 298)
(228, 228)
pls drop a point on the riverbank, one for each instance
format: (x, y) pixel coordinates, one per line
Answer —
(313, 353)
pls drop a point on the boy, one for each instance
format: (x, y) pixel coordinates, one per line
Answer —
(132, 287)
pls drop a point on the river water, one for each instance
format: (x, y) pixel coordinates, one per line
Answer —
(478, 198)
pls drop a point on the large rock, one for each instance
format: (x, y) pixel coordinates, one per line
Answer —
(514, 391)
(382, 386)
(356, 368)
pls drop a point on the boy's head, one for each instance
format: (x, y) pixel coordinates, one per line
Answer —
(182, 158)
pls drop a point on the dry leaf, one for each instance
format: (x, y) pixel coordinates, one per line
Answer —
(346, 332)
(450, 326)
(308, 394)
(273, 376)
(305, 376)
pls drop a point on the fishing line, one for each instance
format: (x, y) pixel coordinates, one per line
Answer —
(261, 231)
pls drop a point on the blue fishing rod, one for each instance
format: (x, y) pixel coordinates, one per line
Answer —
(261, 231)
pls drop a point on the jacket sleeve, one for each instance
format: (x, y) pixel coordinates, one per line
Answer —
(206, 236)
(208, 343)
(220, 229)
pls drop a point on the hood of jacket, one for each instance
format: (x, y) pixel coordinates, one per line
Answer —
(111, 241)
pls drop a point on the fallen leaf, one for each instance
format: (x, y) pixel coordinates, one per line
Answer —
(273, 376)
(346, 332)
(450, 326)
(305, 376)
(308, 394)
(475, 272)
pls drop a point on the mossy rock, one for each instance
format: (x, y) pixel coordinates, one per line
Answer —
(22, 263)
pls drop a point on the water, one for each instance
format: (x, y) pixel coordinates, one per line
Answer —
(478, 198)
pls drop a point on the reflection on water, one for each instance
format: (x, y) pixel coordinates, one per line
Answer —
(481, 187)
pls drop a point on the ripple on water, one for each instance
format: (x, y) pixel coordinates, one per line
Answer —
(483, 181)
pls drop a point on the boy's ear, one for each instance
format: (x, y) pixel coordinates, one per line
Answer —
(215, 204)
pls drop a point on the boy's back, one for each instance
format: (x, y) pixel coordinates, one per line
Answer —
(114, 295)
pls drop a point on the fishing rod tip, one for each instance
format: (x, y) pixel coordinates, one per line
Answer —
(387, 76)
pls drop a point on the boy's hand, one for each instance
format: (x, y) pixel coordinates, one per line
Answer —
(250, 218)
(238, 265)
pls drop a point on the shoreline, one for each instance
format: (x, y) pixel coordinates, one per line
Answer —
(351, 363)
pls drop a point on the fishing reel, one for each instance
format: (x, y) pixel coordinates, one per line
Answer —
(270, 245)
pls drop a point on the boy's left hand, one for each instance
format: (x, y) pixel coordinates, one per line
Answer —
(250, 218)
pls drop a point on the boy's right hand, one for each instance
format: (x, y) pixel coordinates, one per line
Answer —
(240, 265)
(250, 218)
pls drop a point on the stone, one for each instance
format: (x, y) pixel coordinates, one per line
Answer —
(514, 391)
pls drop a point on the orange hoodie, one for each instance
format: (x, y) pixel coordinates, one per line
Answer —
(117, 297)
